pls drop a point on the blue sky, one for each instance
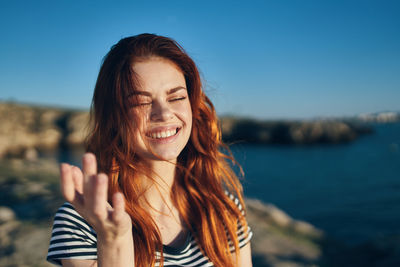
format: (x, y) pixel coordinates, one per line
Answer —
(264, 59)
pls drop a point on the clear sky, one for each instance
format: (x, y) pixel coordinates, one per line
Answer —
(265, 59)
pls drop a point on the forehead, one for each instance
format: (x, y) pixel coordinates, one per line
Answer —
(158, 75)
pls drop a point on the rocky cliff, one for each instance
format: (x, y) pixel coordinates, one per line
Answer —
(25, 129)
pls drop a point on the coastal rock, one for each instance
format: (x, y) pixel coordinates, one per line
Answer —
(280, 240)
(8, 226)
(269, 212)
(29, 191)
(275, 216)
(6, 215)
(25, 245)
(291, 132)
(77, 126)
(24, 127)
(29, 128)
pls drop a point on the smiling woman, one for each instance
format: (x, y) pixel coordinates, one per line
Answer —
(163, 108)
(155, 189)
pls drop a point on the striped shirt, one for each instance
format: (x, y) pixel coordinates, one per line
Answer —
(73, 238)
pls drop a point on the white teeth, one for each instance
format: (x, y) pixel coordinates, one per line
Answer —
(164, 134)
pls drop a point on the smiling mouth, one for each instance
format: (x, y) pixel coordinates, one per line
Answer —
(163, 134)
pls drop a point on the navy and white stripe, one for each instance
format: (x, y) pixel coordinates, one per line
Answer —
(73, 238)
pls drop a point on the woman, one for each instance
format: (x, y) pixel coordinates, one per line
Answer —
(155, 189)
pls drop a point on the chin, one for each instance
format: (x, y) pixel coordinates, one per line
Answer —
(160, 154)
(166, 156)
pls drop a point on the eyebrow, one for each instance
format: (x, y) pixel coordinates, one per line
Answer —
(170, 91)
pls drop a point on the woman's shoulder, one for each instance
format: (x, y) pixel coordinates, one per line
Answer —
(244, 232)
(72, 237)
(236, 200)
(68, 221)
(68, 216)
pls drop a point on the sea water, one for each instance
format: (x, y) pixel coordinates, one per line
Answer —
(351, 191)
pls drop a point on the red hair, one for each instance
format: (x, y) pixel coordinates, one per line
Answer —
(203, 174)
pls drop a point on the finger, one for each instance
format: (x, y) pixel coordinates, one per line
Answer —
(89, 165)
(100, 196)
(77, 177)
(89, 171)
(118, 202)
(67, 183)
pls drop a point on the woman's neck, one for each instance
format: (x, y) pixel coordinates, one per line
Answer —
(158, 188)
(157, 201)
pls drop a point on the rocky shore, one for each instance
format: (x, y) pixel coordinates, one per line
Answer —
(29, 197)
(25, 130)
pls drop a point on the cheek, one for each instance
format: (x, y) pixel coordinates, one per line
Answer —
(186, 113)
(141, 115)
(138, 122)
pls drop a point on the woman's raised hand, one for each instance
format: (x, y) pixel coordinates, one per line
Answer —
(86, 190)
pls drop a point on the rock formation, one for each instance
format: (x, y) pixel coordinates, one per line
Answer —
(25, 129)
(292, 132)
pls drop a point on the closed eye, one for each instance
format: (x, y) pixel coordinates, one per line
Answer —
(177, 99)
(142, 104)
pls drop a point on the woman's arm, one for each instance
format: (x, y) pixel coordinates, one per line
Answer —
(87, 191)
(245, 256)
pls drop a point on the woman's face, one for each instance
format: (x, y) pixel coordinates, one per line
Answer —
(163, 110)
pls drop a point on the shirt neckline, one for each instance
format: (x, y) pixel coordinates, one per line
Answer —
(178, 250)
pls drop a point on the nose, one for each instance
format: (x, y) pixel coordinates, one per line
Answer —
(160, 111)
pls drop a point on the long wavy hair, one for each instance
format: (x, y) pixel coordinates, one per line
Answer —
(203, 174)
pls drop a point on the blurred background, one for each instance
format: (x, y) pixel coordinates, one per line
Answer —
(308, 94)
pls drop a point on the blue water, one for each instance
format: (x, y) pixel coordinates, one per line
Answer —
(351, 191)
